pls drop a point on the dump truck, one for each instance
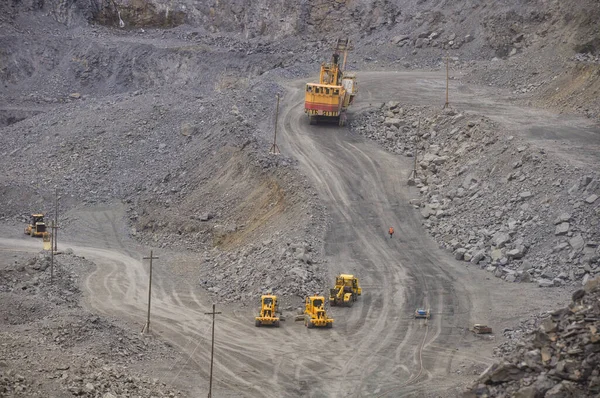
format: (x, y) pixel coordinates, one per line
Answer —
(37, 226)
(329, 99)
(314, 313)
(421, 313)
(268, 311)
(346, 290)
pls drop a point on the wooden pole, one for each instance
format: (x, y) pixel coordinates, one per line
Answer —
(147, 326)
(55, 219)
(52, 228)
(413, 173)
(212, 349)
(274, 148)
(447, 104)
(416, 144)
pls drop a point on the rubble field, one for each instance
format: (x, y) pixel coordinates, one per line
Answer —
(152, 122)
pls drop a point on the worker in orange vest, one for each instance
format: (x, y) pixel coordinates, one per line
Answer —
(391, 231)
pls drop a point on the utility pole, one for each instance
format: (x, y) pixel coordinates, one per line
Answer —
(447, 104)
(55, 219)
(146, 328)
(53, 228)
(274, 148)
(413, 173)
(212, 349)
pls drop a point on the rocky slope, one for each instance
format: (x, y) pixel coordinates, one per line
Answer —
(492, 200)
(559, 357)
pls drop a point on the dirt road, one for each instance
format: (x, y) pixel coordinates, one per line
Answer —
(375, 348)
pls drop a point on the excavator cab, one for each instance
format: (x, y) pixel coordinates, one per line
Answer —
(268, 311)
(37, 226)
(329, 99)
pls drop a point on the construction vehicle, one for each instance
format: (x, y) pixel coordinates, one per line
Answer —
(421, 313)
(329, 99)
(314, 313)
(481, 329)
(346, 290)
(37, 227)
(268, 311)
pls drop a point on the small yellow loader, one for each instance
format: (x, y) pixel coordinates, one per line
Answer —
(346, 290)
(314, 313)
(268, 311)
(37, 227)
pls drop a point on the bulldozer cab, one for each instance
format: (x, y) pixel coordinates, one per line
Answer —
(37, 227)
(315, 303)
(347, 280)
(269, 304)
(318, 302)
(267, 301)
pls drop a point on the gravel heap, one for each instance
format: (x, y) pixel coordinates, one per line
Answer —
(83, 354)
(493, 200)
(560, 358)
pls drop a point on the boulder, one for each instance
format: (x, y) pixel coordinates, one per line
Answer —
(399, 39)
(392, 121)
(518, 252)
(496, 254)
(562, 217)
(562, 228)
(502, 372)
(545, 283)
(577, 242)
(591, 199)
(427, 211)
(478, 256)
(500, 239)
(459, 253)
(525, 195)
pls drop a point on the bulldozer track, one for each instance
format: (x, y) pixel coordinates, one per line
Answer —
(416, 377)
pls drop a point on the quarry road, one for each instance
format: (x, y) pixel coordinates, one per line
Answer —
(376, 348)
(387, 352)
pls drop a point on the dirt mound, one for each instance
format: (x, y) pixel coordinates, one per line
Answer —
(559, 358)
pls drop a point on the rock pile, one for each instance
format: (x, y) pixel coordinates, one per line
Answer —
(93, 378)
(561, 358)
(493, 200)
(83, 354)
(290, 270)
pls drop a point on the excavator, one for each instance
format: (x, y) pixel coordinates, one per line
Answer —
(329, 99)
(346, 290)
(37, 226)
(314, 313)
(268, 311)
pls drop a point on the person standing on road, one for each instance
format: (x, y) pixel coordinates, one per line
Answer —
(391, 232)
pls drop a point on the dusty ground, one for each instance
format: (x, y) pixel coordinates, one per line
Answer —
(157, 140)
(403, 356)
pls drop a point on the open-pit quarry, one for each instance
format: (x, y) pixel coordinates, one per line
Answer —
(143, 129)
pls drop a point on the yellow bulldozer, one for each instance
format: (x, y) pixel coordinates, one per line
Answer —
(268, 311)
(329, 99)
(37, 226)
(346, 290)
(314, 313)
